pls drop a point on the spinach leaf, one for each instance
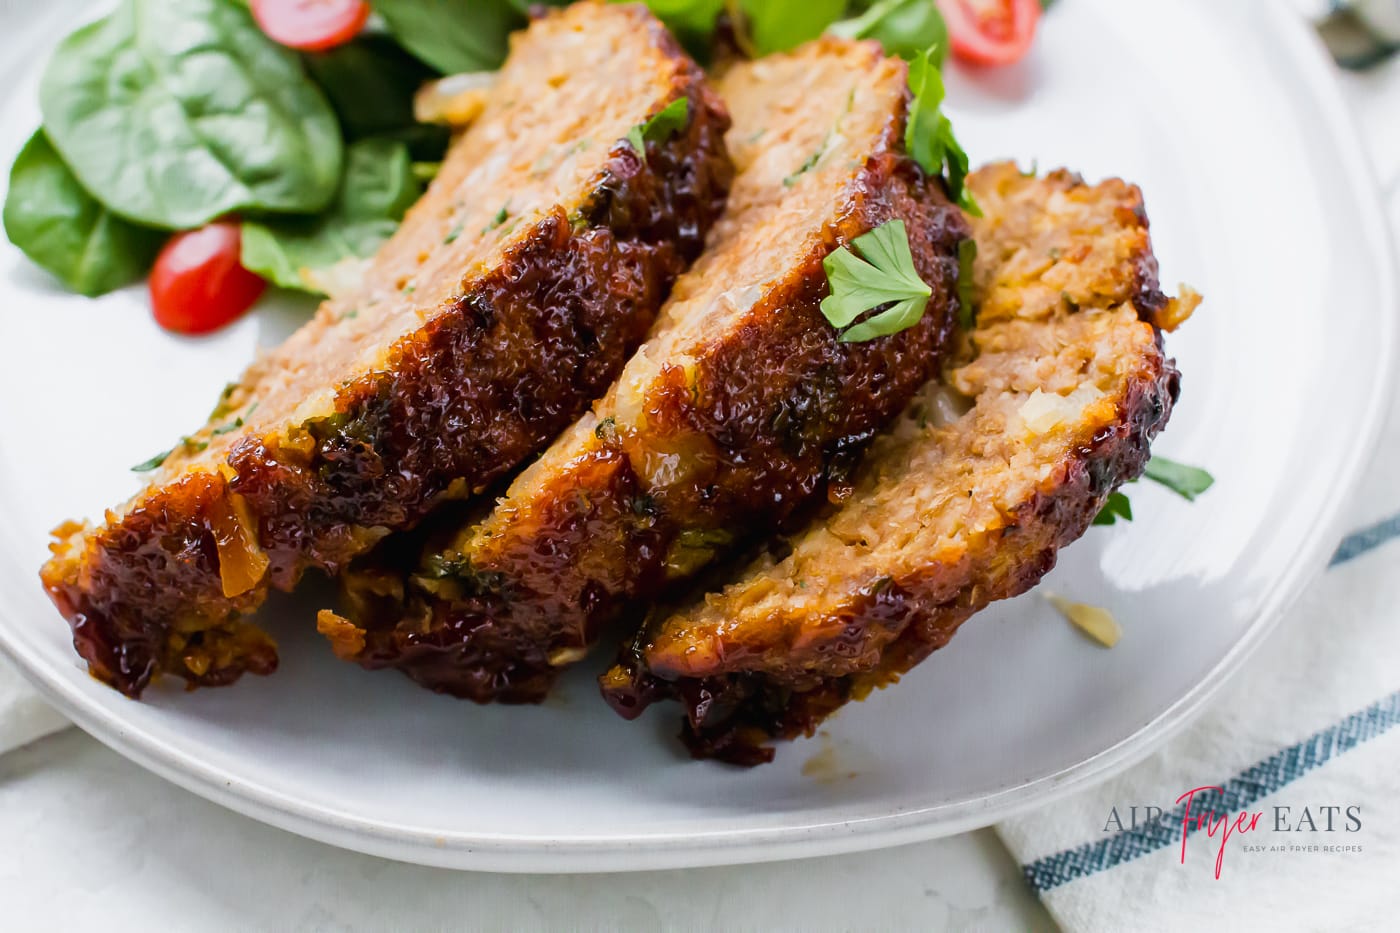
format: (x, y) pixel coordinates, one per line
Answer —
(451, 35)
(379, 186)
(426, 142)
(50, 216)
(686, 17)
(778, 25)
(691, 21)
(370, 82)
(904, 27)
(174, 112)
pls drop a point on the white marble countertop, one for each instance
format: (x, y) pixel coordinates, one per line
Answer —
(91, 840)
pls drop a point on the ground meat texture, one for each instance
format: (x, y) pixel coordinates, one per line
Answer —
(1049, 404)
(731, 417)
(508, 300)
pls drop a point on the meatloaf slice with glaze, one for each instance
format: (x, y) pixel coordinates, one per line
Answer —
(734, 413)
(1050, 404)
(505, 304)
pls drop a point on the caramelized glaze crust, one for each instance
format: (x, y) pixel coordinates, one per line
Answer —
(733, 416)
(1050, 404)
(389, 401)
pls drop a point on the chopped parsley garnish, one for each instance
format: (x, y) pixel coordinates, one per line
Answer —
(669, 120)
(146, 466)
(1186, 481)
(967, 308)
(454, 233)
(186, 443)
(928, 134)
(233, 425)
(1115, 507)
(883, 274)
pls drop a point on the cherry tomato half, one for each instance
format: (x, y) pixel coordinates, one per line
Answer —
(990, 32)
(311, 25)
(197, 285)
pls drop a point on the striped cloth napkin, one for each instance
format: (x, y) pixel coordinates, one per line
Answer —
(1306, 735)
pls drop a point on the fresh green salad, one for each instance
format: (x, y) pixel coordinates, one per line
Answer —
(169, 115)
(284, 135)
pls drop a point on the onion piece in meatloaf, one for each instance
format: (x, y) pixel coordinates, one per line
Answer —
(1049, 404)
(730, 417)
(507, 301)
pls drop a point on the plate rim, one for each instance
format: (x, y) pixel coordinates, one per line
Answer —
(514, 852)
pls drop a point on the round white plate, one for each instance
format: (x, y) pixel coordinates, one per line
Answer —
(1228, 117)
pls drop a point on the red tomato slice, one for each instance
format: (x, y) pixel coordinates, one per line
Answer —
(990, 32)
(311, 25)
(197, 285)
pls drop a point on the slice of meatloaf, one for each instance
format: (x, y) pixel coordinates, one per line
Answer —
(506, 303)
(733, 414)
(1049, 405)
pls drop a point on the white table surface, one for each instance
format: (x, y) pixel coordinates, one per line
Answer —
(89, 840)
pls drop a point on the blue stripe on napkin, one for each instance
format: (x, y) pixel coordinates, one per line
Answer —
(1359, 542)
(1239, 792)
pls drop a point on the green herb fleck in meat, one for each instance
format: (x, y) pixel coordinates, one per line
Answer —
(497, 219)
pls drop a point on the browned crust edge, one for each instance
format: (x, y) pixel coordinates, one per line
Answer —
(733, 717)
(785, 405)
(538, 338)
